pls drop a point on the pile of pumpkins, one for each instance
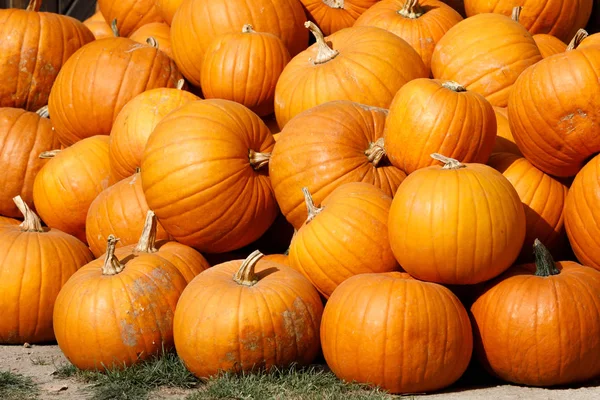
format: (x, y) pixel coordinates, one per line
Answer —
(411, 168)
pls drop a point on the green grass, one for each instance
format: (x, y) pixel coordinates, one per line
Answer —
(17, 387)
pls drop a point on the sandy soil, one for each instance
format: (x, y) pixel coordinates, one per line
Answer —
(40, 363)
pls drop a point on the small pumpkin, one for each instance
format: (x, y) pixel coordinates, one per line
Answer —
(549, 45)
(333, 15)
(261, 314)
(130, 14)
(159, 31)
(505, 142)
(98, 26)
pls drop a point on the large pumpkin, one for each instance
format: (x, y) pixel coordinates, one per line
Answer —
(23, 136)
(549, 45)
(204, 173)
(159, 31)
(98, 26)
(33, 48)
(130, 14)
(66, 186)
(486, 54)
(334, 15)
(505, 142)
(109, 72)
(35, 262)
(422, 23)
(113, 313)
(538, 324)
(198, 22)
(457, 224)
(395, 332)
(429, 116)
(336, 68)
(260, 314)
(326, 146)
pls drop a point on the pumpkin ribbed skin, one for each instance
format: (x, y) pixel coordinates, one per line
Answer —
(350, 75)
(159, 31)
(278, 258)
(202, 180)
(590, 41)
(167, 9)
(505, 142)
(328, 154)
(334, 15)
(421, 25)
(98, 26)
(135, 123)
(549, 45)
(198, 22)
(66, 186)
(34, 48)
(119, 69)
(419, 333)
(430, 116)
(486, 54)
(8, 221)
(130, 14)
(23, 136)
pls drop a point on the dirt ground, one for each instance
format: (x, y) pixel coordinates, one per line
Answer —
(40, 363)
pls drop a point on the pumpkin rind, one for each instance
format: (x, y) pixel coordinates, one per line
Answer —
(505, 142)
(98, 26)
(130, 14)
(549, 45)
(167, 9)
(334, 15)
(159, 31)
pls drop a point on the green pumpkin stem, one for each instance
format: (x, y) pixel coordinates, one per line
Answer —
(49, 154)
(31, 222)
(454, 86)
(376, 151)
(577, 39)
(112, 265)
(147, 242)
(324, 52)
(43, 112)
(258, 160)
(246, 275)
(544, 263)
(516, 13)
(449, 163)
(34, 5)
(312, 210)
(114, 28)
(411, 9)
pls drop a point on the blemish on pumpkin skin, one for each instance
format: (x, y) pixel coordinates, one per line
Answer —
(128, 334)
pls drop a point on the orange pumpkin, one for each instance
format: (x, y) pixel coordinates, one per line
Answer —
(587, 40)
(418, 333)
(136, 121)
(244, 67)
(130, 14)
(326, 146)
(113, 313)
(23, 136)
(98, 26)
(458, 224)
(34, 47)
(505, 142)
(204, 173)
(278, 258)
(421, 23)
(8, 221)
(261, 314)
(157, 30)
(429, 116)
(110, 72)
(334, 15)
(66, 186)
(335, 68)
(549, 45)
(486, 54)
(198, 22)
(167, 9)
(35, 263)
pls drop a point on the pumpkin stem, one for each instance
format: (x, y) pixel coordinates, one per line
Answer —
(324, 52)
(313, 210)
(411, 9)
(137, 170)
(246, 275)
(49, 154)
(287, 251)
(180, 84)
(577, 39)
(258, 160)
(454, 86)
(516, 13)
(449, 163)
(248, 28)
(151, 41)
(544, 263)
(43, 112)
(376, 151)
(31, 222)
(112, 265)
(114, 28)
(34, 5)
(334, 3)
(147, 242)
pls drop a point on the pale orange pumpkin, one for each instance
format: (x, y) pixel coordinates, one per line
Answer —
(130, 14)
(549, 45)
(505, 142)
(334, 15)
(158, 31)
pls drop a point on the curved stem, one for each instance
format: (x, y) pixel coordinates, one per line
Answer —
(258, 160)
(324, 52)
(49, 154)
(411, 9)
(112, 265)
(454, 86)
(245, 275)
(31, 222)
(449, 163)
(334, 3)
(34, 5)
(577, 39)
(544, 263)
(43, 112)
(152, 42)
(248, 28)
(312, 210)
(376, 151)
(114, 28)
(516, 13)
(147, 242)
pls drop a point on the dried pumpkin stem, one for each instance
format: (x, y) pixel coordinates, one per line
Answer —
(516, 13)
(43, 112)
(312, 210)
(180, 84)
(31, 222)
(112, 265)
(324, 52)
(334, 3)
(376, 151)
(248, 28)
(49, 154)
(246, 275)
(147, 242)
(454, 86)
(449, 163)
(34, 5)
(577, 39)
(114, 28)
(411, 9)
(152, 42)
(258, 160)
(544, 263)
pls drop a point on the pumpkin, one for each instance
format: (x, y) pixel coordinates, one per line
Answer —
(166, 9)
(260, 314)
(198, 22)
(35, 262)
(422, 23)
(157, 30)
(8, 221)
(560, 18)
(429, 116)
(136, 121)
(34, 47)
(66, 186)
(459, 224)
(204, 174)
(110, 72)
(23, 136)
(278, 258)
(114, 313)
(505, 142)
(549, 45)
(244, 67)
(335, 68)
(485, 53)
(346, 236)
(326, 146)
(543, 199)
(130, 14)
(587, 40)
(538, 324)
(98, 26)
(333, 15)
(551, 117)
(121, 210)
(418, 333)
